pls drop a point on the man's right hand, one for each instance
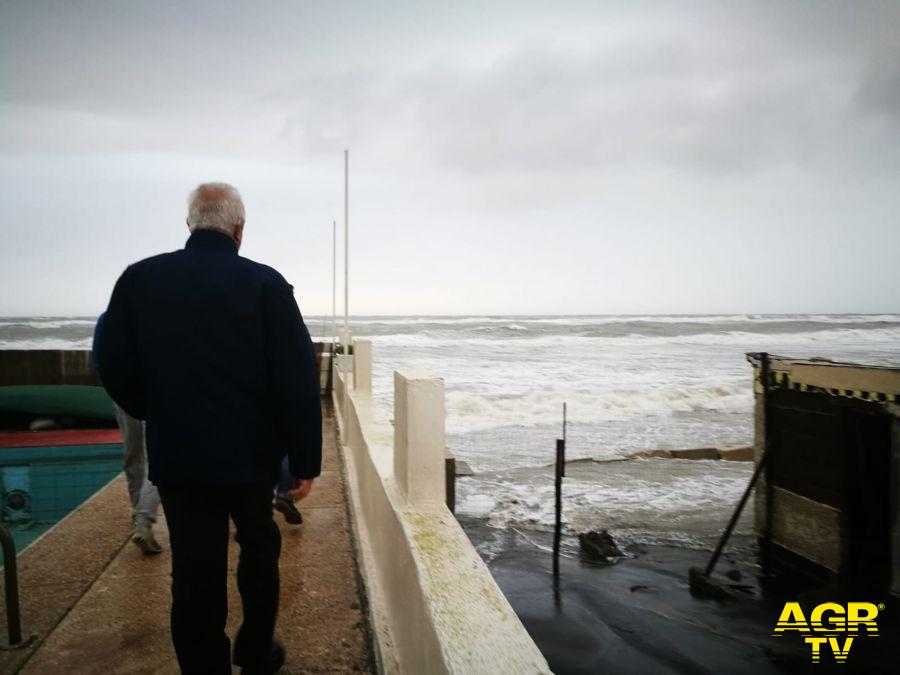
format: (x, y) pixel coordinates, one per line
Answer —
(303, 488)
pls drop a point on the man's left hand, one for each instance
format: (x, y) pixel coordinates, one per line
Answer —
(302, 490)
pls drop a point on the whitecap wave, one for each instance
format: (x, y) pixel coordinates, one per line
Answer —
(751, 341)
(469, 411)
(588, 320)
(47, 324)
(49, 343)
(651, 500)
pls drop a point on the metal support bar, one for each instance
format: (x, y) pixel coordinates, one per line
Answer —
(700, 580)
(734, 517)
(11, 582)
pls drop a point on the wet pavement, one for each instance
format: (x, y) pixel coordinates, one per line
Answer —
(97, 605)
(638, 616)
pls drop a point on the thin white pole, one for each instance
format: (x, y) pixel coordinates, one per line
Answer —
(346, 250)
(333, 283)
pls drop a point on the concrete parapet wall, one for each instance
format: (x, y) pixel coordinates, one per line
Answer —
(434, 606)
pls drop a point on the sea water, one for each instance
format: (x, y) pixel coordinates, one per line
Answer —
(630, 383)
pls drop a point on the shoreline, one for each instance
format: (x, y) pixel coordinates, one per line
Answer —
(637, 615)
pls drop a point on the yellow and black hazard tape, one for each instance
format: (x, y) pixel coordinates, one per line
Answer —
(782, 380)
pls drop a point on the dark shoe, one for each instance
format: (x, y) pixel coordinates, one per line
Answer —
(286, 507)
(272, 665)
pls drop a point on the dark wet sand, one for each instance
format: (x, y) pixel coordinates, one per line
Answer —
(638, 616)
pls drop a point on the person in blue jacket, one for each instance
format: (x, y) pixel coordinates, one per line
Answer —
(143, 494)
(210, 349)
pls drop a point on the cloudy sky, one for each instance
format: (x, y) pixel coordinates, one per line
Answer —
(506, 157)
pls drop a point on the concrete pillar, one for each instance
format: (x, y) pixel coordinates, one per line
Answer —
(340, 389)
(419, 436)
(345, 364)
(362, 366)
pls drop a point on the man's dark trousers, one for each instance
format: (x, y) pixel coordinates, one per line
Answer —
(197, 516)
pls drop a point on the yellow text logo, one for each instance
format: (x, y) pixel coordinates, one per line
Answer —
(831, 627)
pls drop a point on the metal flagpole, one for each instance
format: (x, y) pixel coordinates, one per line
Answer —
(329, 386)
(333, 283)
(346, 251)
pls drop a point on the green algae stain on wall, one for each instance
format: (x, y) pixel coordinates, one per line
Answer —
(442, 553)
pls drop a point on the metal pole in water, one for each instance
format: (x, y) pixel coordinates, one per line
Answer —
(560, 473)
(557, 528)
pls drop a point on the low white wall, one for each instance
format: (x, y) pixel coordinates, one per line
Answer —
(434, 606)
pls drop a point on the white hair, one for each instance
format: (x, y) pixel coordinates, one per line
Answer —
(215, 206)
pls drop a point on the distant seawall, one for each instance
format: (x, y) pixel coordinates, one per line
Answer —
(73, 366)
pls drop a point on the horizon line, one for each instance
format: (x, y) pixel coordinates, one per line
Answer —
(519, 315)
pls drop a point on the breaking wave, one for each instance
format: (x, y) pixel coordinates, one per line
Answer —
(630, 383)
(881, 343)
(469, 411)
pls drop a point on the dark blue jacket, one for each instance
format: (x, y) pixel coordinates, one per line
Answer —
(95, 344)
(210, 349)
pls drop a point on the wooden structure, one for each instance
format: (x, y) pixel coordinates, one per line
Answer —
(827, 505)
(46, 366)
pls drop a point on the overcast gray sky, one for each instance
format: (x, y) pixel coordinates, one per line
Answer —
(506, 157)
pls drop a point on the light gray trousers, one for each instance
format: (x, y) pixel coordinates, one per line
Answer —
(143, 494)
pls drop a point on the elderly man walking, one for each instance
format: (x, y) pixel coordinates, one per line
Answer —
(210, 349)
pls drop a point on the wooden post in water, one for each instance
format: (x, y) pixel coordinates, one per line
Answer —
(560, 474)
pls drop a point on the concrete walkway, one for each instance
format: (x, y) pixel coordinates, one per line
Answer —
(119, 623)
